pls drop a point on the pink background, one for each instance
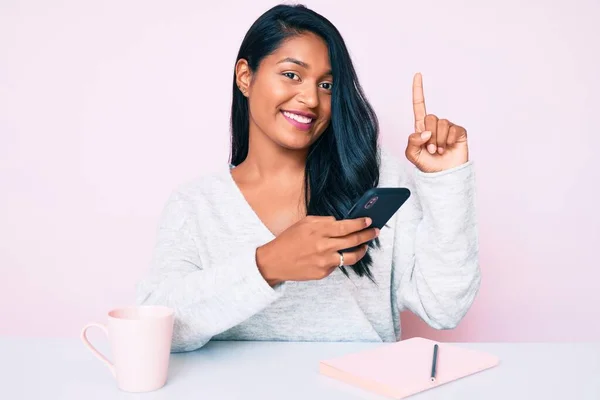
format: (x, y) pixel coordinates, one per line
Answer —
(107, 106)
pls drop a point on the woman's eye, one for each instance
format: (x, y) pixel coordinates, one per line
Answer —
(327, 85)
(291, 75)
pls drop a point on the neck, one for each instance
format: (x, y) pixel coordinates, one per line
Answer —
(267, 160)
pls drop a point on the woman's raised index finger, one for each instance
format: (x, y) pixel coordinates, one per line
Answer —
(419, 103)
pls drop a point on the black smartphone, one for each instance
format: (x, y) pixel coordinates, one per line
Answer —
(379, 204)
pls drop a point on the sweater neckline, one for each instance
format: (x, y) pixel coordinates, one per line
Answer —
(243, 203)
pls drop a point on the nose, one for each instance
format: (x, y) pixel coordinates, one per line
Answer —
(309, 95)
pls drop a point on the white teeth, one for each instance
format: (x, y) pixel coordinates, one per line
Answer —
(299, 118)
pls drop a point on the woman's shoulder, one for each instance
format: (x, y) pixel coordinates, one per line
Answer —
(394, 170)
(210, 186)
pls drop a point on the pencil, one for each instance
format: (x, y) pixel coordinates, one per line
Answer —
(434, 362)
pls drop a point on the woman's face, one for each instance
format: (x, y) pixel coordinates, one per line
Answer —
(290, 94)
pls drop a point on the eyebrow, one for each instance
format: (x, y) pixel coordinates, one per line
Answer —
(300, 63)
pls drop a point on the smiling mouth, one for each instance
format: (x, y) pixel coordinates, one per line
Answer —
(299, 121)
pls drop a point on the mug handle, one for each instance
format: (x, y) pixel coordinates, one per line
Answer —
(93, 349)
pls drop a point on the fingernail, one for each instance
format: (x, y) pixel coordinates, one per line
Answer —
(367, 221)
(440, 150)
(376, 232)
(431, 148)
(425, 135)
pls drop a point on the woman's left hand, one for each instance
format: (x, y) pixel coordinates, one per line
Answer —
(437, 144)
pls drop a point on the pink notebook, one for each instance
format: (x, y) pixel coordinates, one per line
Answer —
(403, 368)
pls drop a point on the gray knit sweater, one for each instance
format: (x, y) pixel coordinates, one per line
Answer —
(204, 266)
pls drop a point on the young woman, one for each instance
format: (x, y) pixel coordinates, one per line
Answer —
(253, 252)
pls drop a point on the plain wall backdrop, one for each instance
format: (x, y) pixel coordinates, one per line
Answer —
(105, 107)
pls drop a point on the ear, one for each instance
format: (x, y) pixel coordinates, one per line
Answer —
(243, 76)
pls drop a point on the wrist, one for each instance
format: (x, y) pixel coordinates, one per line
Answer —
(264, 262)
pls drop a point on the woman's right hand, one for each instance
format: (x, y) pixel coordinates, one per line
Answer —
(308, 250)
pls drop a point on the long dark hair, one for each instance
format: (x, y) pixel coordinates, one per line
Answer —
(344, 162)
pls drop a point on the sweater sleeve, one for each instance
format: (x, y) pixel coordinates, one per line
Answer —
(435, 253)
(207, 299)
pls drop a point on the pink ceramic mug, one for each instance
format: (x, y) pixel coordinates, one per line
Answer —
(140, 343)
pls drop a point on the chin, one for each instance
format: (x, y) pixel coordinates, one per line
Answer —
(295, 141)
(295, 145)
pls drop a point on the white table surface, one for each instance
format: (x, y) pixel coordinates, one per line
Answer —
(44, 368)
